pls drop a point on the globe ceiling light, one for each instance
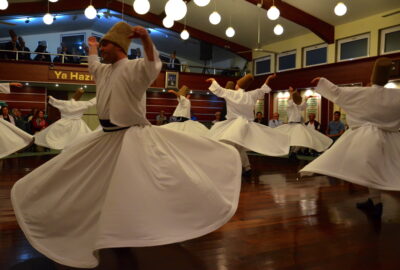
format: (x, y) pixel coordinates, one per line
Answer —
(273, 13)
(202, 3)
(278, 30)
(168, 22)
(176, 9)
(90, 12)
(340, 9)
(215, 18)
(53, 1)
(230, 32)
(48, 19)
(3, 4)
(141, 6)
(184, 34)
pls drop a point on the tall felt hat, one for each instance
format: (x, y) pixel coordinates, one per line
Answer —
(183, 91)
(78, 94)
(119, 34)
(381, 71)
(230, 85)
(245, 81)
(297, 97)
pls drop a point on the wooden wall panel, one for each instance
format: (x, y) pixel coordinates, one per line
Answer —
(26, 98)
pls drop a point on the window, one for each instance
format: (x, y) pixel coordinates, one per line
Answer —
(262, 65)
(315, 55)
(353, 47)
(286, 61)
(74, 42)
(390, 40)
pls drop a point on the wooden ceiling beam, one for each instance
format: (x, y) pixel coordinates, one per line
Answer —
(71, 5)
(322, 29)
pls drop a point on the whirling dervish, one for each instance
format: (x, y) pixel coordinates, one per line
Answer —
(70, 127)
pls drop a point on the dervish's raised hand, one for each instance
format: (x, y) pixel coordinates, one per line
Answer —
(269, 78)
(139, 32)
(16, 84)
(92, 42)
(315, 81)
(210, 80)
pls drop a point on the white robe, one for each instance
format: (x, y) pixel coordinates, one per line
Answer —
(299, 134)
(12, 138)
(189, 126)
(368, 153)
(240, 128)
(69, 127)
(141, 186)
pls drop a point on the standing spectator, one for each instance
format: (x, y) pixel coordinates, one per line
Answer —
(161, 119)
(336, 127)
(6, 116)
(41, 48)
(275, 122)
(64, 51)
(260, 119)
(312, 123)
(24, 56)
(174, 63)
(12, 45)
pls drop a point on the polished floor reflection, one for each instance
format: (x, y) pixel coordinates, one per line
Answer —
(281, 223)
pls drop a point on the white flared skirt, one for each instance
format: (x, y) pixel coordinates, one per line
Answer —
(12, 138)
(366, 156)
(252, 136)
(143, 186)
(61, 133)
(302, 136)
(190, 127)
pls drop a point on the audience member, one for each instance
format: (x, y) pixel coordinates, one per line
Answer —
(312, 123)
(6, 116)
(217, 117)
(63, 50)
(19, 120)
(260, 119)
(39, 121)
(335, 128)
(161, 119)
(41, 48)
(12, 45)
(275, 122)
(23, 56)
(174, 63)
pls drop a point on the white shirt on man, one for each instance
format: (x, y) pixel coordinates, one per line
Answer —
(294, 111)
(183, 108)
(238, 102)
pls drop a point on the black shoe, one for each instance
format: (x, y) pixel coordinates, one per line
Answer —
(247, 174)
(366, 206)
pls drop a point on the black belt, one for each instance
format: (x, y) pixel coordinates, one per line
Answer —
(110, 127)
(294, 122)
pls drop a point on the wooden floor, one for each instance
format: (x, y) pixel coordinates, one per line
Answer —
(281, 223)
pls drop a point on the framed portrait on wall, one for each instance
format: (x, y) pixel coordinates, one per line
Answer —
(171, 79)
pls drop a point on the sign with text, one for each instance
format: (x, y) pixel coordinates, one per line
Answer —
(70, 75)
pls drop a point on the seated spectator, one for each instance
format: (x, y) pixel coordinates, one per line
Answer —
(39, 121)
(260, 119)
(217, 117)
(41, 48)
(161, 119)
(312, 123)
(24, 56)
(174, 63)
(275, 122)
(336, 127)
(19, 120)
(12, 45)
(6, 116)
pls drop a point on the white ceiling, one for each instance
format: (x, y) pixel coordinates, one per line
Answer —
(243, 15)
